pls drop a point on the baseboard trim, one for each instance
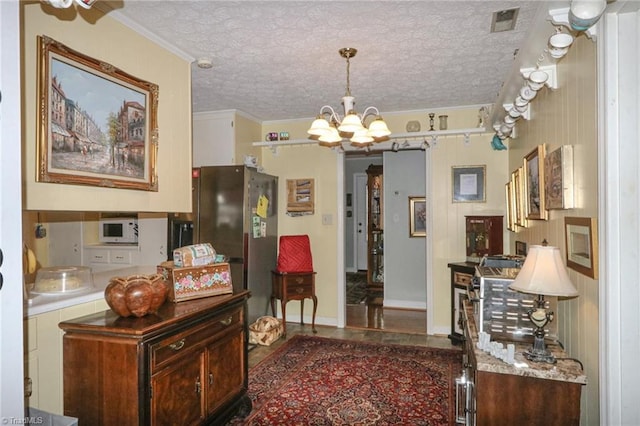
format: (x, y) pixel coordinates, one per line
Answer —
(404, 304)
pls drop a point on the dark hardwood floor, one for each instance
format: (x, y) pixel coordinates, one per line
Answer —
(377, 317)
(367, 310)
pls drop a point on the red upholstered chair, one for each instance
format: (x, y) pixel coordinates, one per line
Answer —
(294, 278)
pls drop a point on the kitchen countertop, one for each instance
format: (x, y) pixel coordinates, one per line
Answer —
(566, 369)
(41, 303)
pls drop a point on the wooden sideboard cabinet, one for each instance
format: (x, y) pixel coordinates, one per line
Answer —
(185, 365)
(532, 393)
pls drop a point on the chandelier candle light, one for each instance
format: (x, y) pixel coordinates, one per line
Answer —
(331, 132)
(543, 273)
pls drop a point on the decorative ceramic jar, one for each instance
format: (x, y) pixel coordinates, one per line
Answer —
(136, 295)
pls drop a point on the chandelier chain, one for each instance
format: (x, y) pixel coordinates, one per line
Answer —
(348, 93)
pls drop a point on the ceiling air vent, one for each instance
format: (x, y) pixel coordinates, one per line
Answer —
(504, 20)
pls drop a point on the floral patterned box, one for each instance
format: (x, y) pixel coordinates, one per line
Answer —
(196, 281)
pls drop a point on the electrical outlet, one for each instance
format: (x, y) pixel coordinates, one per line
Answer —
(327, 219)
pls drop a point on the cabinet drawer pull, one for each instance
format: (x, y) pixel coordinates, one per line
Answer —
(178, 345)
(211, 378)
(299, 290)
(198, 385)
(227, 321)
(299, 280)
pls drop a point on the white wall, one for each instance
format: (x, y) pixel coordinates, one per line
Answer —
(404, 257)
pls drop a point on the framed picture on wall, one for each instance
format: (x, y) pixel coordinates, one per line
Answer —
(97, 125)
(581, 239)
(534, 184)
(417, 217)
(517, 191)
(468, 184)
(558, 178)
(508, 194)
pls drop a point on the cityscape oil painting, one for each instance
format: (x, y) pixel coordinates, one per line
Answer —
(98, 124)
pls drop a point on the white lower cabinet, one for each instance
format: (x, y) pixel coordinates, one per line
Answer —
(43, 355)
(104, 257)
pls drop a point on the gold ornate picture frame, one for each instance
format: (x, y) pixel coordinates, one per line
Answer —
(534, 184)
(417, 217)
(558, 178)
(97, 125)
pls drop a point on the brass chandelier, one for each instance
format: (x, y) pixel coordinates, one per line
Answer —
(331, 130)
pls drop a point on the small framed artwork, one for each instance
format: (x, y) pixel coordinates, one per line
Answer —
(417, 217)
(97, 125)
(581, 239)
(558, 178)
(468, 184)
(521, 248)
(533, 184)
(508, 195)
(518, 198)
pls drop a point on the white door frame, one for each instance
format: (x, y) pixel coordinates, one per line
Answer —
(619, 183)
(11, 294)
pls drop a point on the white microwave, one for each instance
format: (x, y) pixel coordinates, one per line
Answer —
(118, 230)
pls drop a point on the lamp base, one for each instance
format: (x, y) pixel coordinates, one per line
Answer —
(539, 353)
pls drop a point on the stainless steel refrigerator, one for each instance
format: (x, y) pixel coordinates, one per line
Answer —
(234, 209)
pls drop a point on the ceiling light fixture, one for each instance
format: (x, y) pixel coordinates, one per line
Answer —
(331, 131)
(63, 4)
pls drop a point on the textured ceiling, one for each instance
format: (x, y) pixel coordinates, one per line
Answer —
(279, 59)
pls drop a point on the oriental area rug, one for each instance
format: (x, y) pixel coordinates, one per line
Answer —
(321, 381)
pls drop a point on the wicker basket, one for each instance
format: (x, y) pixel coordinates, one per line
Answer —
(265, 331)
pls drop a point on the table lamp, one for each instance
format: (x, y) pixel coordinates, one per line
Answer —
(544, 274)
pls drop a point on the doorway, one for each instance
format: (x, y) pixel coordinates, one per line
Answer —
(373, 308)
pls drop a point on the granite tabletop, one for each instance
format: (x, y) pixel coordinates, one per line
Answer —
(566, 369)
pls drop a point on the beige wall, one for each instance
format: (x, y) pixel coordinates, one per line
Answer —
(448, 242)
(103, 38)
(247, 132)
(567, 116)
(320, 164)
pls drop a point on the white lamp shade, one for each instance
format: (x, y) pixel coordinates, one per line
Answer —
(319, 127)
(331, 136)
(378, 128)
(361, 137)
(351, 123)
(544, 273)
